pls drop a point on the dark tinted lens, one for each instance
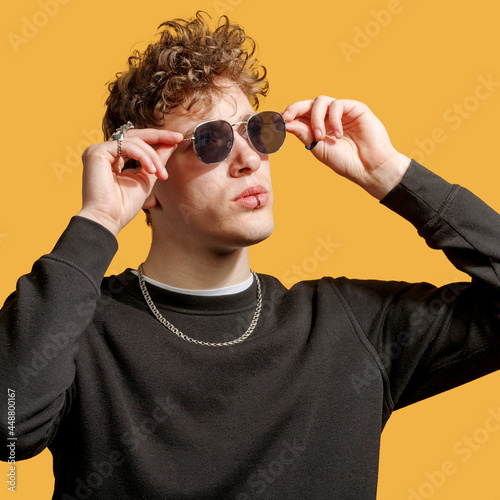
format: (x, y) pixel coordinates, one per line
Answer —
(266, 131)
(213, 141)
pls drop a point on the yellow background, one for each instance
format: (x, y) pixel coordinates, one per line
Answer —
(411, 69)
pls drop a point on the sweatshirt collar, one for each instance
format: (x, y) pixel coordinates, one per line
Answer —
(191, 304)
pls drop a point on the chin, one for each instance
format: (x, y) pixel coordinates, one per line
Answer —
(248, 236)
(261, 235)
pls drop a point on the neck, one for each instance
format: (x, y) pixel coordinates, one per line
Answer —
(196, 268)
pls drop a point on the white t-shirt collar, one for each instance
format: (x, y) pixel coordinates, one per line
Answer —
(227, 290)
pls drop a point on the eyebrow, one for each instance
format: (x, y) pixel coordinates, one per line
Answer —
(243, 119)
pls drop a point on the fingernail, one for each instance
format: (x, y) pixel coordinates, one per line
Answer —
(338, 134)
(318, 134)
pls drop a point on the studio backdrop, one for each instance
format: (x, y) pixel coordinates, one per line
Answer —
(429, 70)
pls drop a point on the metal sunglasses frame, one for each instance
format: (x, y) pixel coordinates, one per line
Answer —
(192, 138)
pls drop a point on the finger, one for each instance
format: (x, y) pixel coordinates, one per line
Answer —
(165, 152)
(335, 114)
(345, 111)
(302, 131)
(165, 148)
(299, 108)
(156, 136)
(319, 113)
(133, 150)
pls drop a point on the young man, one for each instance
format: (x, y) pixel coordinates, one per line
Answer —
(192, 376)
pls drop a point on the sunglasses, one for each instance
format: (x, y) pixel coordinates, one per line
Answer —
(213, 140)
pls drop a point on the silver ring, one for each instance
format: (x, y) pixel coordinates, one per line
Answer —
(257, 196)
(120, 134)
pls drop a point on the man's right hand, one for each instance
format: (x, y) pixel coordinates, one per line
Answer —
(112, 197)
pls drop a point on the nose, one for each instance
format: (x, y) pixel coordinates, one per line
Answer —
(243, 160)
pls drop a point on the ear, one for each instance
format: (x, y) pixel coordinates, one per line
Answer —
(149, 202)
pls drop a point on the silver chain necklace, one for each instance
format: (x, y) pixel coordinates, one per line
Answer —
(172, 328)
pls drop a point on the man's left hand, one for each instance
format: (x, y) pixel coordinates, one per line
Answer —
(352, 141)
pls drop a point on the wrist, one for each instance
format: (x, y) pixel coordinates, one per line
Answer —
(100, 219)
(388, 175)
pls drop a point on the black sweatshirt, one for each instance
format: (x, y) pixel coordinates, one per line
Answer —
(131, 411)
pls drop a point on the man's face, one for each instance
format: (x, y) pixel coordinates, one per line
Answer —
(198, 204)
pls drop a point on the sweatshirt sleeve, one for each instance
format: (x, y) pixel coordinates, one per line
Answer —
(430, 339)
(40, 326)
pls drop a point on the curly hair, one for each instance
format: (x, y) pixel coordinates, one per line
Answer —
(185, 66)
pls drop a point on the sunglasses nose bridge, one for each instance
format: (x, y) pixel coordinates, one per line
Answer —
(214, 140)
(237, 137)
(244, 143)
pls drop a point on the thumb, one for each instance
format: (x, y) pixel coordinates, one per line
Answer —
(165, 151)
(302, 131)
(149, 202)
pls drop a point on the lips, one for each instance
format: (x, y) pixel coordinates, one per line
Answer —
(251, 191)
(252, 197)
